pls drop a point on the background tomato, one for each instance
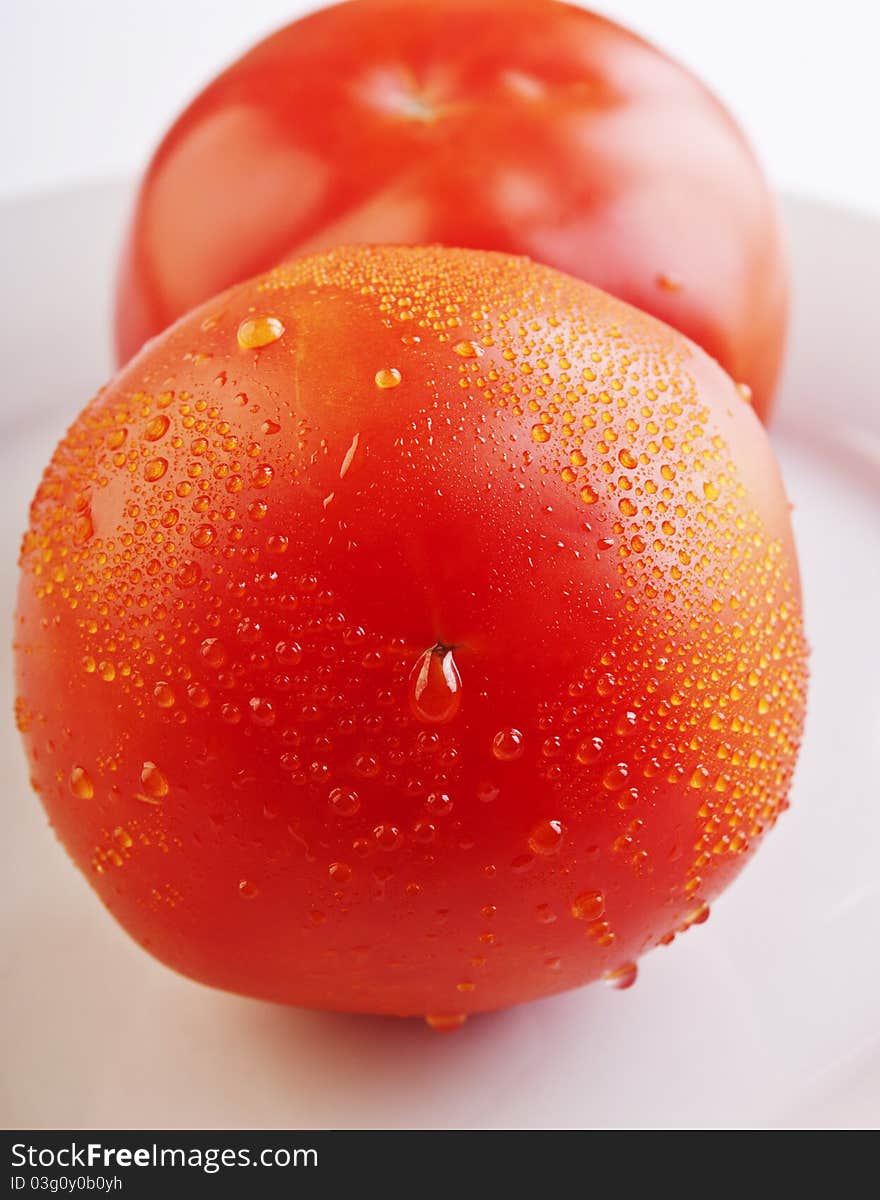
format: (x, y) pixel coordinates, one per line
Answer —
(411, 631)
(519, 125)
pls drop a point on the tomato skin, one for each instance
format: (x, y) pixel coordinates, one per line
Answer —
(525, 126)
(239, 558)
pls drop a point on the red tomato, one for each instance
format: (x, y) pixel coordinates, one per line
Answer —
(525, 126)
(411, 631)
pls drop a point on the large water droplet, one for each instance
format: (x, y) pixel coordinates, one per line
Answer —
(156, 428)
(154, 781)
(435, 686)
(202, 536)
(445, 1022)
(623, 977)
(163, 693)
(344, 801)
(340, 872)
(155, 469)
(213, 652)
(388, 837)
(508, 744)
(81, 784)
(254, 332)
(546, 837)
(388, 377)
(588, 906)
(83, 528)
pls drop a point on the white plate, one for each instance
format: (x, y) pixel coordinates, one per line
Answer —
(769, 1016)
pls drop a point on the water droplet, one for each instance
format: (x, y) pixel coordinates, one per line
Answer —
(247, 890)
(622, 977)
(627, 459)
(615, 777)
(625, 723)
(588, 906)
(508, 745)
(339, 872)
(711, 490)
(540, 433)
(445, 1022)
(546, 837)
(261, 476)
(627, 507)
(628, 798)
(202, 536)
(428, 742)
(467, 350)
(289, 654)
(83, 528)
(254, 332)
(435, 686)
(156, 428)
(154, 781)
(213, 652)
(438, 804)
(668, 282)
(344, 802)
(388, 837)
(163, 694)
(697, 916)
(589, 750)
(388, 377)
(367, 766)
(262, 711)
(81, 784)
(589, 495)
(188, 574)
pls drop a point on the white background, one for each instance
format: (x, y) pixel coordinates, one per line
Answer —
(87, 86)
(768, 1016)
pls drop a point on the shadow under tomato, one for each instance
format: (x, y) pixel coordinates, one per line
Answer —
(322, 1061)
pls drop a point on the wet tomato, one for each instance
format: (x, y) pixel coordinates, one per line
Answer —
(526, 126)
(411, 631)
